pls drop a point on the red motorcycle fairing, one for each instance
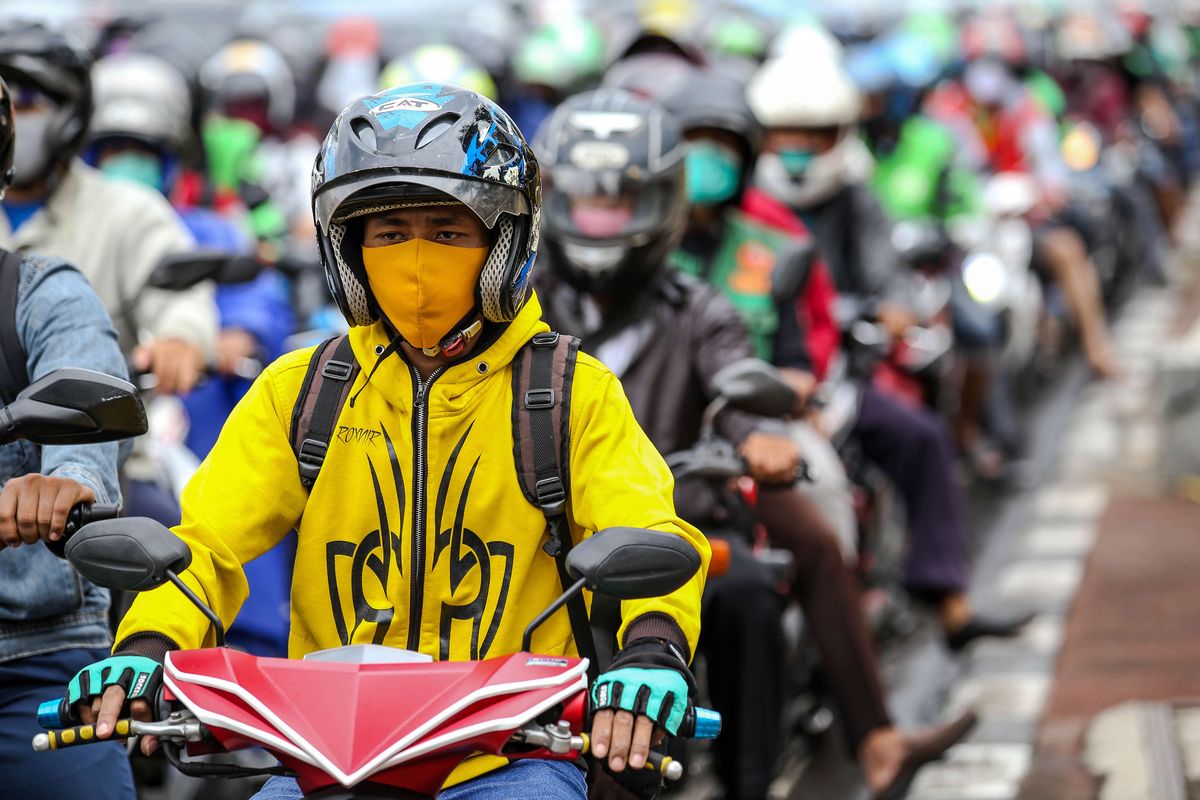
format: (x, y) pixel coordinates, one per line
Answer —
(406, 725)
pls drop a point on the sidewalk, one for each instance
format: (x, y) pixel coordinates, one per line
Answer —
(1111, 568)
(1131, 635)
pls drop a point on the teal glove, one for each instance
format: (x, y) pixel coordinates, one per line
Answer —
(139, 676)
(658, 693)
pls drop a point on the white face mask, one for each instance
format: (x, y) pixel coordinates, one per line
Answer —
(824, 176)
(31, 152)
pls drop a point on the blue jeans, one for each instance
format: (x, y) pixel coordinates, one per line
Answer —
(545, 780)
(94, 771)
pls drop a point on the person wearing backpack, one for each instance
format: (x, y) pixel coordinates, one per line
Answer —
(410, 454)
(52, 621)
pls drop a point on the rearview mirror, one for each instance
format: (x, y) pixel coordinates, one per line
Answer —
(127, 555)
(630, 563)
(74, 406)
(754, 386)
(178, 272)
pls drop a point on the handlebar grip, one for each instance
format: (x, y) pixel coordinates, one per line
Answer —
(81, 514)
(664, 765)
(81, 734)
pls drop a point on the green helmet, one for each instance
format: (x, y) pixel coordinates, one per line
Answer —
(565, 55)
(439, 63)
(738, 36)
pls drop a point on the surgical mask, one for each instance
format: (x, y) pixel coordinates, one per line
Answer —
(796, 161)
(31, 154)
(424, 288)
(713, 173)
(143, 168)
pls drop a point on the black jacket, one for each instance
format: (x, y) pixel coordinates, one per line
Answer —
(693, 332)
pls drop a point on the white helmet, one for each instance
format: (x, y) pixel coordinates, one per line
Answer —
(250, 67)
(140, 96)
(807, 39)
(799, 92)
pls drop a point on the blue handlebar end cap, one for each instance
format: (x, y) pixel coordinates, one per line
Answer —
(708, 724)
(49, 714)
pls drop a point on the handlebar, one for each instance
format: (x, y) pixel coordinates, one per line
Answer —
(698, 723)
(81, 514)
(186, 729)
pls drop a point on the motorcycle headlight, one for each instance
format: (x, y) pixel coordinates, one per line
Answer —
(985, 277)
(1081, 147)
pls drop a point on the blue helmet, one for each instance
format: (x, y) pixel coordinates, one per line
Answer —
(418, 143)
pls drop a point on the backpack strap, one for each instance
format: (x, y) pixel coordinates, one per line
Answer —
(331, 373)
(14, 374)
(542, 376)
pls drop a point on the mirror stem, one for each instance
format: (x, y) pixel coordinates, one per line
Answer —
(710, 416)
(575, 588)
(200, 604)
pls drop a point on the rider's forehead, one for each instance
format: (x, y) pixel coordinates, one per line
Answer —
(442, 214)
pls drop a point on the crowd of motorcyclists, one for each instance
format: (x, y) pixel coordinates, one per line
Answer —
(916, 217)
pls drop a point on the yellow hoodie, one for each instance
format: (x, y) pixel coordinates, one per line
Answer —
(459, 570)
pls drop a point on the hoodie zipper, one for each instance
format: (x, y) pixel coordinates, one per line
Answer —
(420, 433)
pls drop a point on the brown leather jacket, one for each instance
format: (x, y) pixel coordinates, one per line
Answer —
(686, 331)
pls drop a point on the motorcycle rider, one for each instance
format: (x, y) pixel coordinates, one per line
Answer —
(616, 202)
(114, 232)
(139, 132)
(810, 180)
(921, 180)
(53, 621)
(427, 202)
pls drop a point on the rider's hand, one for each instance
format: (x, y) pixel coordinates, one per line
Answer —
(639, 700)
(770, 458)
(36, 506)
(175, 364)
(896, 319)
(804, 384)
(99, 692)
(234, 345)
(623, 738)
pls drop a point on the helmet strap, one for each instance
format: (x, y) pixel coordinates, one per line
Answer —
(453, 343)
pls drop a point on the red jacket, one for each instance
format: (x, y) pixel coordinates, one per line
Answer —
(815, 303)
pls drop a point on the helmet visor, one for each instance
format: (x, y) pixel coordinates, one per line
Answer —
(338, 201)
(607, 205)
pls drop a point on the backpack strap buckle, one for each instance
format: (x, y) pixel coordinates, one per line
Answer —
(310, 457)
(545, 339)
(551, 495)
(536, 399)
(337, 370)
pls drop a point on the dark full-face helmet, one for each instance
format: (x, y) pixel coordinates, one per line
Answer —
(616, 203)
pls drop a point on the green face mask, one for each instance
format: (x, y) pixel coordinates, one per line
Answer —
(796, 162)
(142, 168)
(713, 173)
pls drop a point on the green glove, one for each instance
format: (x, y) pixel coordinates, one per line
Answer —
(658, 693)
(139, 676)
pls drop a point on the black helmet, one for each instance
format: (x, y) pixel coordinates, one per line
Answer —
(408, 144)
(7, 138)
(710, 99)
(610, 146)
(32, 54)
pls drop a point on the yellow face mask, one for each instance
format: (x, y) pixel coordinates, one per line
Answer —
(425, 288)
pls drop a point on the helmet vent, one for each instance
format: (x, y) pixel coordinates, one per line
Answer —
(435, 128)
(365, 132)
